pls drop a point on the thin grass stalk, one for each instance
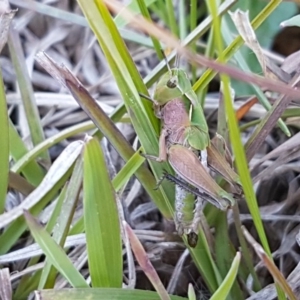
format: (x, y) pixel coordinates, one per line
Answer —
(146, 14)
(238, 148)
(193, 24)
(171, 17)
(182, 19)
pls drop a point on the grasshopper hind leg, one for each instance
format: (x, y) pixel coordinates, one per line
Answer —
(187, 209)
(186, 217)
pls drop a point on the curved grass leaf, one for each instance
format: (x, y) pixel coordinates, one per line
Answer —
(223, 290)
(63, 221)
(27, 282)
(54, 253)
(45, 192)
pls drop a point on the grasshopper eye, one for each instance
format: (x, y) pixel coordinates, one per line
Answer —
(172, 83)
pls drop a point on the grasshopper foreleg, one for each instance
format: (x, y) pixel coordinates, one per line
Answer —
(204, 159)
(162, 148)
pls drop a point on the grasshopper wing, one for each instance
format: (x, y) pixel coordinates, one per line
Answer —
(187, 165)
(219, 164)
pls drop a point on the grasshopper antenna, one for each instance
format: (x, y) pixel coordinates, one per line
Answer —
(177, 61)
(173, 81)
(166, 60)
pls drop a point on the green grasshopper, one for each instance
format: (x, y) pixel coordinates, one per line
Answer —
(185, 143)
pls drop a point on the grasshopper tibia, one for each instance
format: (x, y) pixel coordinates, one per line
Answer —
(159, 182)
(180, 182)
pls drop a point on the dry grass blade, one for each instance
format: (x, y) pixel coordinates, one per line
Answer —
(19, 183)
(5, 20)
(145, 263)
(269, 291)
(5, 285)
(269, 121)
(289, 145)
(198, 59)
(279, 162)
(242, 23)
(277, 275)
(56, 172)
(245, 108)
(175, 276)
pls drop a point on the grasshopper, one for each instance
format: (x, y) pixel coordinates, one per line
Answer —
(185, 143)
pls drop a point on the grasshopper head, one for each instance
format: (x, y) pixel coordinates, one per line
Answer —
(173, 84)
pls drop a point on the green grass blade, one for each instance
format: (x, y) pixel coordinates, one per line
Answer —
(182, 19)
(32, 154)
(26, 90)
(101, 220)
(128, 170)
(106, 293)
(237, 146)
(193, 24)
(134, 7)
(236, 44)
(171, 17)
(235, 138)
(202, 257)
